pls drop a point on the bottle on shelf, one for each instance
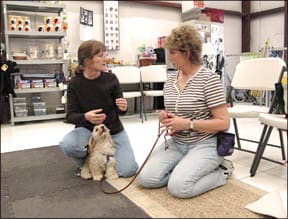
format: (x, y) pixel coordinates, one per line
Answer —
(60, 52)
(66, 55)
(64, 21)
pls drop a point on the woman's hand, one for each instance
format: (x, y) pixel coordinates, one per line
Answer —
(162, 115)
(121, 103)
(95, 116)
(174, 123)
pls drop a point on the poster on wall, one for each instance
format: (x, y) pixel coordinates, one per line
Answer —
(86, 24)
(86, 17)
(111, 25)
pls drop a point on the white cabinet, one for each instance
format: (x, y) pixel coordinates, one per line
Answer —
(33, 35)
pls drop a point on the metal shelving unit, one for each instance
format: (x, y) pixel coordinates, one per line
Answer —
(33, 8)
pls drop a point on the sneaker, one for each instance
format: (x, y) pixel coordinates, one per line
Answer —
(77, 172)
(227, 167)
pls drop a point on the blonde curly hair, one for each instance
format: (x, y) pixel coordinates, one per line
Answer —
(185, 38)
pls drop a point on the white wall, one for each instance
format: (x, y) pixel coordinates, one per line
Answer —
(73, 17)
(270, 27)
(224, 5)
(257, 6)
(142, 23)
(232, 45)
(138, 24)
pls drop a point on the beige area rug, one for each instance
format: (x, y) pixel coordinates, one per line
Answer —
(228, 201)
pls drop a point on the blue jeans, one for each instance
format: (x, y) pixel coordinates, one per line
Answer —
(187, 169)
(74, 145)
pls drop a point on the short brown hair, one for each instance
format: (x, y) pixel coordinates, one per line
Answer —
(185, 38)
(88, 49)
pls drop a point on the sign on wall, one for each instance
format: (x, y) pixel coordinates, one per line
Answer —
(86, 24)
(111, 25)
(86, 17)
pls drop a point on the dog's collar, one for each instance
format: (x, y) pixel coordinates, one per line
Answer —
(110, 155)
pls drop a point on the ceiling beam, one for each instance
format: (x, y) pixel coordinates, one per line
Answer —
(161, 3)
(267, 12)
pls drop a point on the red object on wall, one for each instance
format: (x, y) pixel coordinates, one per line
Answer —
(216, 15)
(198, 4)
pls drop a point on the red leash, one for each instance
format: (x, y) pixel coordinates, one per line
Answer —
(137, 173)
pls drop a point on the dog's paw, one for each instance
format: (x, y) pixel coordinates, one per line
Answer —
(97, 177)
(85, 174)
(113, 176)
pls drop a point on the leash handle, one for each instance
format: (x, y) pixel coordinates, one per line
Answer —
(100, 185)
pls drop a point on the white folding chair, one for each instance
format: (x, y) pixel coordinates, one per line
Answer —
(277, 119)
(130, 75)
(152, 74)
(255, 74)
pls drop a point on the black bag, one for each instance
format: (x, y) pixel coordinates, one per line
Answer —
(225, 143)
(280, 99)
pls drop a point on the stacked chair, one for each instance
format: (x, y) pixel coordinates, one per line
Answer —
(276, 119)
(259, 74)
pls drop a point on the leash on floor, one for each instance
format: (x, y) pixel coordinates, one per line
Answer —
(100, 185)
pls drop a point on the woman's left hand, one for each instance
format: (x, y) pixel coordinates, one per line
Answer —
(121, 103)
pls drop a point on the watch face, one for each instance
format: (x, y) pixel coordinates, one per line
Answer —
(191, 124)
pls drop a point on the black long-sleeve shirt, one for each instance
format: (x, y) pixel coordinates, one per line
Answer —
(84, 95)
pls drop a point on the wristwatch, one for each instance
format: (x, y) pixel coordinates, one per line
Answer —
(191, 125)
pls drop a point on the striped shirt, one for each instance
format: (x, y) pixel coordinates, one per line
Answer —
(202, 92)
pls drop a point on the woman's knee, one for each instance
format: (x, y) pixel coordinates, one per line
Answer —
(179, 189)
(65, 147)
(72, 149)
(143, 179)
(75, 142)
(127, 170)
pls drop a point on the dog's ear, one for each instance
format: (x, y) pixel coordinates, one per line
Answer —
(110, 140)
(91, 144)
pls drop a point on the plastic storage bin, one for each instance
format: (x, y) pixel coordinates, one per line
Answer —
(39, 112)
(36, 99)
(39, 105)
(21, 113)
(19, 106)
(19, 99)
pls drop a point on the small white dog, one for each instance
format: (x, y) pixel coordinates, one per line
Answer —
(100, 159)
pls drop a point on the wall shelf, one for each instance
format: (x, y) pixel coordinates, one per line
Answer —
(37, 90)
(37, 118)
(40, 61)
(36, 35)
(34, 6)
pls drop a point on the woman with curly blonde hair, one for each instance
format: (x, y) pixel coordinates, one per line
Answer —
(195, 111)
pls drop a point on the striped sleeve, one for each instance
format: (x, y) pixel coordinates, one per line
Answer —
(213, 91)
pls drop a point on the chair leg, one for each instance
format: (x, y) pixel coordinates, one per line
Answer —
(236, 133)
(282, 144)
(260, 149)
(135, 104)
(144, 107)
(141, 110)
